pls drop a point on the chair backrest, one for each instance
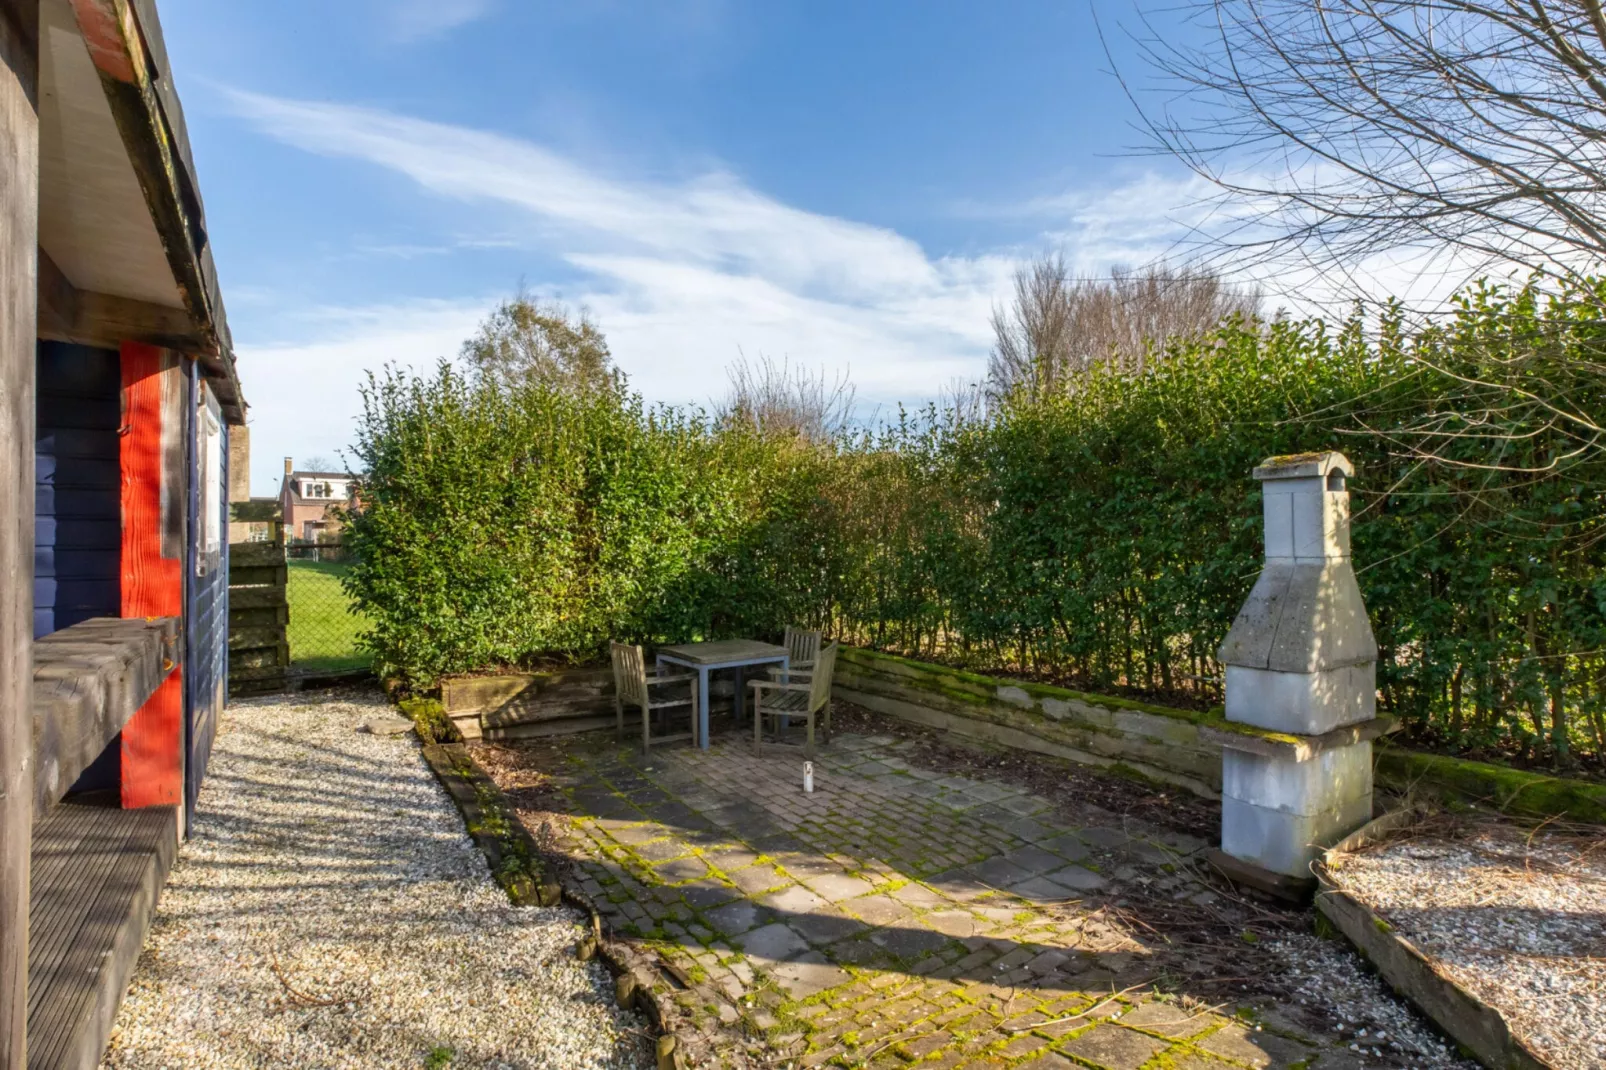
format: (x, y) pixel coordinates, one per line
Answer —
(629, 672)
(820, 682)
(802, 645)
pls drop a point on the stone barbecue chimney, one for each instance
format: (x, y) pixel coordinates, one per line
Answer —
(1301, 683)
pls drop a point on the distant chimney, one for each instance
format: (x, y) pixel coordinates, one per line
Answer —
(289, 465)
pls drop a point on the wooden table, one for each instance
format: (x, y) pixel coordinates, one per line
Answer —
(705, 658)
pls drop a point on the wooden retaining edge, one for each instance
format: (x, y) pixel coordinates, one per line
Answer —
(503, 839)
(1471, 1023)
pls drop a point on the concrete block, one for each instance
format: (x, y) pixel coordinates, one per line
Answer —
(1136, 724)
(1283, 842)
(1321, 526)
(1056, 709)
(1329, 780)
(1301, 617)
(1306, 704)
(1015, 696)
(1305, 521)
(1279, 525)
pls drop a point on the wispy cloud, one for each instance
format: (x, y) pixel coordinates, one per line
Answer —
(685, 274)
(418, 20)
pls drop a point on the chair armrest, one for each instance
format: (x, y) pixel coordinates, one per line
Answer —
(802, 668)
(773, 685)
(654, 679)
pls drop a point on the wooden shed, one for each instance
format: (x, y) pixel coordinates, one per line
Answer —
(117, 392)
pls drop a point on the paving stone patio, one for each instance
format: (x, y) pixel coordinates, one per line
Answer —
(899, 915)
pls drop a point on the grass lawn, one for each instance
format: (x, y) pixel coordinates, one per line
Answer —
(323, 625)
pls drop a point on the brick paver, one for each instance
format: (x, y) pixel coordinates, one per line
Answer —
(896, 916)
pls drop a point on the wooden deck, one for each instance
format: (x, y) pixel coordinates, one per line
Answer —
(97, 872)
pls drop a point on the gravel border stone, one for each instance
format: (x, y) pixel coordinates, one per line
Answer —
(1517, 919)
(329, 910)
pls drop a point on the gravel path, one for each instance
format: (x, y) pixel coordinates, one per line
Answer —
(1517, 920)
(329, 911)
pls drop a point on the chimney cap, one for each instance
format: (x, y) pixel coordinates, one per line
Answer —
(1304, 466)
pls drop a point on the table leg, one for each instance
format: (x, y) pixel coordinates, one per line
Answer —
(740, 704)
(702, 707)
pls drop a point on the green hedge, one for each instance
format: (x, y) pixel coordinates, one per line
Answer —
(1105, 538)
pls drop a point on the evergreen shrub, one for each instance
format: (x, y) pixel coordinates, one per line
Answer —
(1104, 538)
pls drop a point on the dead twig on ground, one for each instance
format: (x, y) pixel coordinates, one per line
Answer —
(1089, 1013)
(301, 999)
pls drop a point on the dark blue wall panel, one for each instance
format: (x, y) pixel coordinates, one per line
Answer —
(78, 528)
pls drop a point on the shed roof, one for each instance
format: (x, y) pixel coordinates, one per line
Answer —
(124, 253)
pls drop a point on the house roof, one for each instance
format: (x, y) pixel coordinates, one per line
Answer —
(124, 253)
(322, 475)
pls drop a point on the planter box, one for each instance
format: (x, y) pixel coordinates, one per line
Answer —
(519, 705)
(1172, 746)
(1473, 1024)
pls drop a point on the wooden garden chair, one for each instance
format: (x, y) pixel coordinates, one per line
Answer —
(634, 685)
(806, 699)
(802, 648)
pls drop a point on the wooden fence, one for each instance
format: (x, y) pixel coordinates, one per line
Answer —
(259, 617)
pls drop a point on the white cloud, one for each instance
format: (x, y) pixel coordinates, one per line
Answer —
(303, 392)
(418, 20)
(712, 219)
(685, 274)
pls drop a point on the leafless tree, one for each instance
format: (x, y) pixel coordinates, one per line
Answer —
(1058, 326)
(962, 402)
(778, 398)
(525, 341)
(319, 462)
(1474, 130)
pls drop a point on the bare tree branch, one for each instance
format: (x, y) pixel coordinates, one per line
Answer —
(1057, 326)
(1347, 128)
(777, 398)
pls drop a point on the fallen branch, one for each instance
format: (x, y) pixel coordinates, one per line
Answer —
(304, 1000)
(1079, 1014)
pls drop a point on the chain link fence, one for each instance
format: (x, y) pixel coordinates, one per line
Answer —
(324, 625)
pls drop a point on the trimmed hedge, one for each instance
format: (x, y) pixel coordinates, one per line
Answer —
(1104, 539)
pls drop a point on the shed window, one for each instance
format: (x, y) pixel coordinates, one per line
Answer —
(209, 435)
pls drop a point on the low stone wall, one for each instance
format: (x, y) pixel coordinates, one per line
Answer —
(1154, 741)
(1493, 787)
(1180, 747)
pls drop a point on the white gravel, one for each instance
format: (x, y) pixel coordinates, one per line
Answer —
(1326, 976)
(330, 911)
(1517, 920)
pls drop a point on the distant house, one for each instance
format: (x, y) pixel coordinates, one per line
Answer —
(310, 501)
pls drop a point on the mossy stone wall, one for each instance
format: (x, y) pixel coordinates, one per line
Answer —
(1163, 744)
(1153, 741)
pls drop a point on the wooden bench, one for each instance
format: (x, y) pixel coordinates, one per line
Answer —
(97, 873)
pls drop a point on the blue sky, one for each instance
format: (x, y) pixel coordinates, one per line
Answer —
(843, 185)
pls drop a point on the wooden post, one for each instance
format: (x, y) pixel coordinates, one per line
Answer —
(19, 266)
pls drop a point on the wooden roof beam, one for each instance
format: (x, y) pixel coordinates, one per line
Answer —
(68, 314)
(129, 74)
